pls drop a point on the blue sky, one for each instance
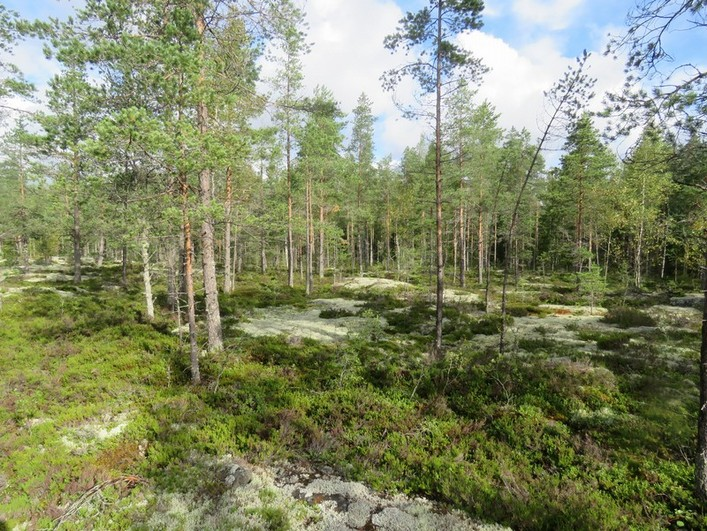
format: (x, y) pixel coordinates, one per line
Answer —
(527, 44)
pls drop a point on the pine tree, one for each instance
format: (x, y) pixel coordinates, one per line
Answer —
(429, 33)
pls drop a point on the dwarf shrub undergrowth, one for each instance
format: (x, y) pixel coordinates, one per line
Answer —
(551, 440)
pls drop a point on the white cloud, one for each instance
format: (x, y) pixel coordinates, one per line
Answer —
(518, 77)
(29, 57)
(553, 14)
(348, 57)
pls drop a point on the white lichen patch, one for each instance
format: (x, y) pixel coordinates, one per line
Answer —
(604, 416)
(560, 328)
(306, 323)
(451, 295)
(564, 310)
(374, 284)
(48, 277)
(7, 292)
(83, 438)
(301, 323)
(347, 305)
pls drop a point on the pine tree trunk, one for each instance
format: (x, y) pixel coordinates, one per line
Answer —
(481, 245)
(360, 251)
(189, 282)
(172, 275)
(208, 261)
(310, 238)
(146, 278)
(455, 249)
(397, 248)
(351, 243)
(387, 234)
(463, 247)
(227, 274)
(371, 245)
(487, 289)
(536, 241)
(701, 459)
(579, 231)
(290, 242)
(76, 218)
(608, 255)
(639, 245)
(439, 307)
(321, 238)
(101, 255)
(124, 268)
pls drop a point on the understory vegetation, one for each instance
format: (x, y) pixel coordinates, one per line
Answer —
(593, 433)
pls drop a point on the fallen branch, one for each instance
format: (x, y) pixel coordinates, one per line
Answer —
(130, 482)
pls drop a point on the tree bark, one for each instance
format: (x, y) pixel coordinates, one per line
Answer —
(310, 237)
(172, 274)
(227, 273)
(208, 259)
(288, 163)
(189, 282)
(439, 306)
(76, 219)
(321, 235)
(481, 243)
(387, 233)
(146, 278)
(124, 268)
(701, 460)
(101, 255)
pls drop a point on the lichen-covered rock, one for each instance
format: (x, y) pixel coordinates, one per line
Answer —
(236, 475)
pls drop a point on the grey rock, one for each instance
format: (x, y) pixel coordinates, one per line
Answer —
(236, 476)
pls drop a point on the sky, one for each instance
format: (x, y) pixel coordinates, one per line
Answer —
(526, 44)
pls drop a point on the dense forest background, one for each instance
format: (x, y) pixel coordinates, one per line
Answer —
(157, 155)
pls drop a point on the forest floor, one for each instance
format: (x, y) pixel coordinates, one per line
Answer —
(326, 412)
